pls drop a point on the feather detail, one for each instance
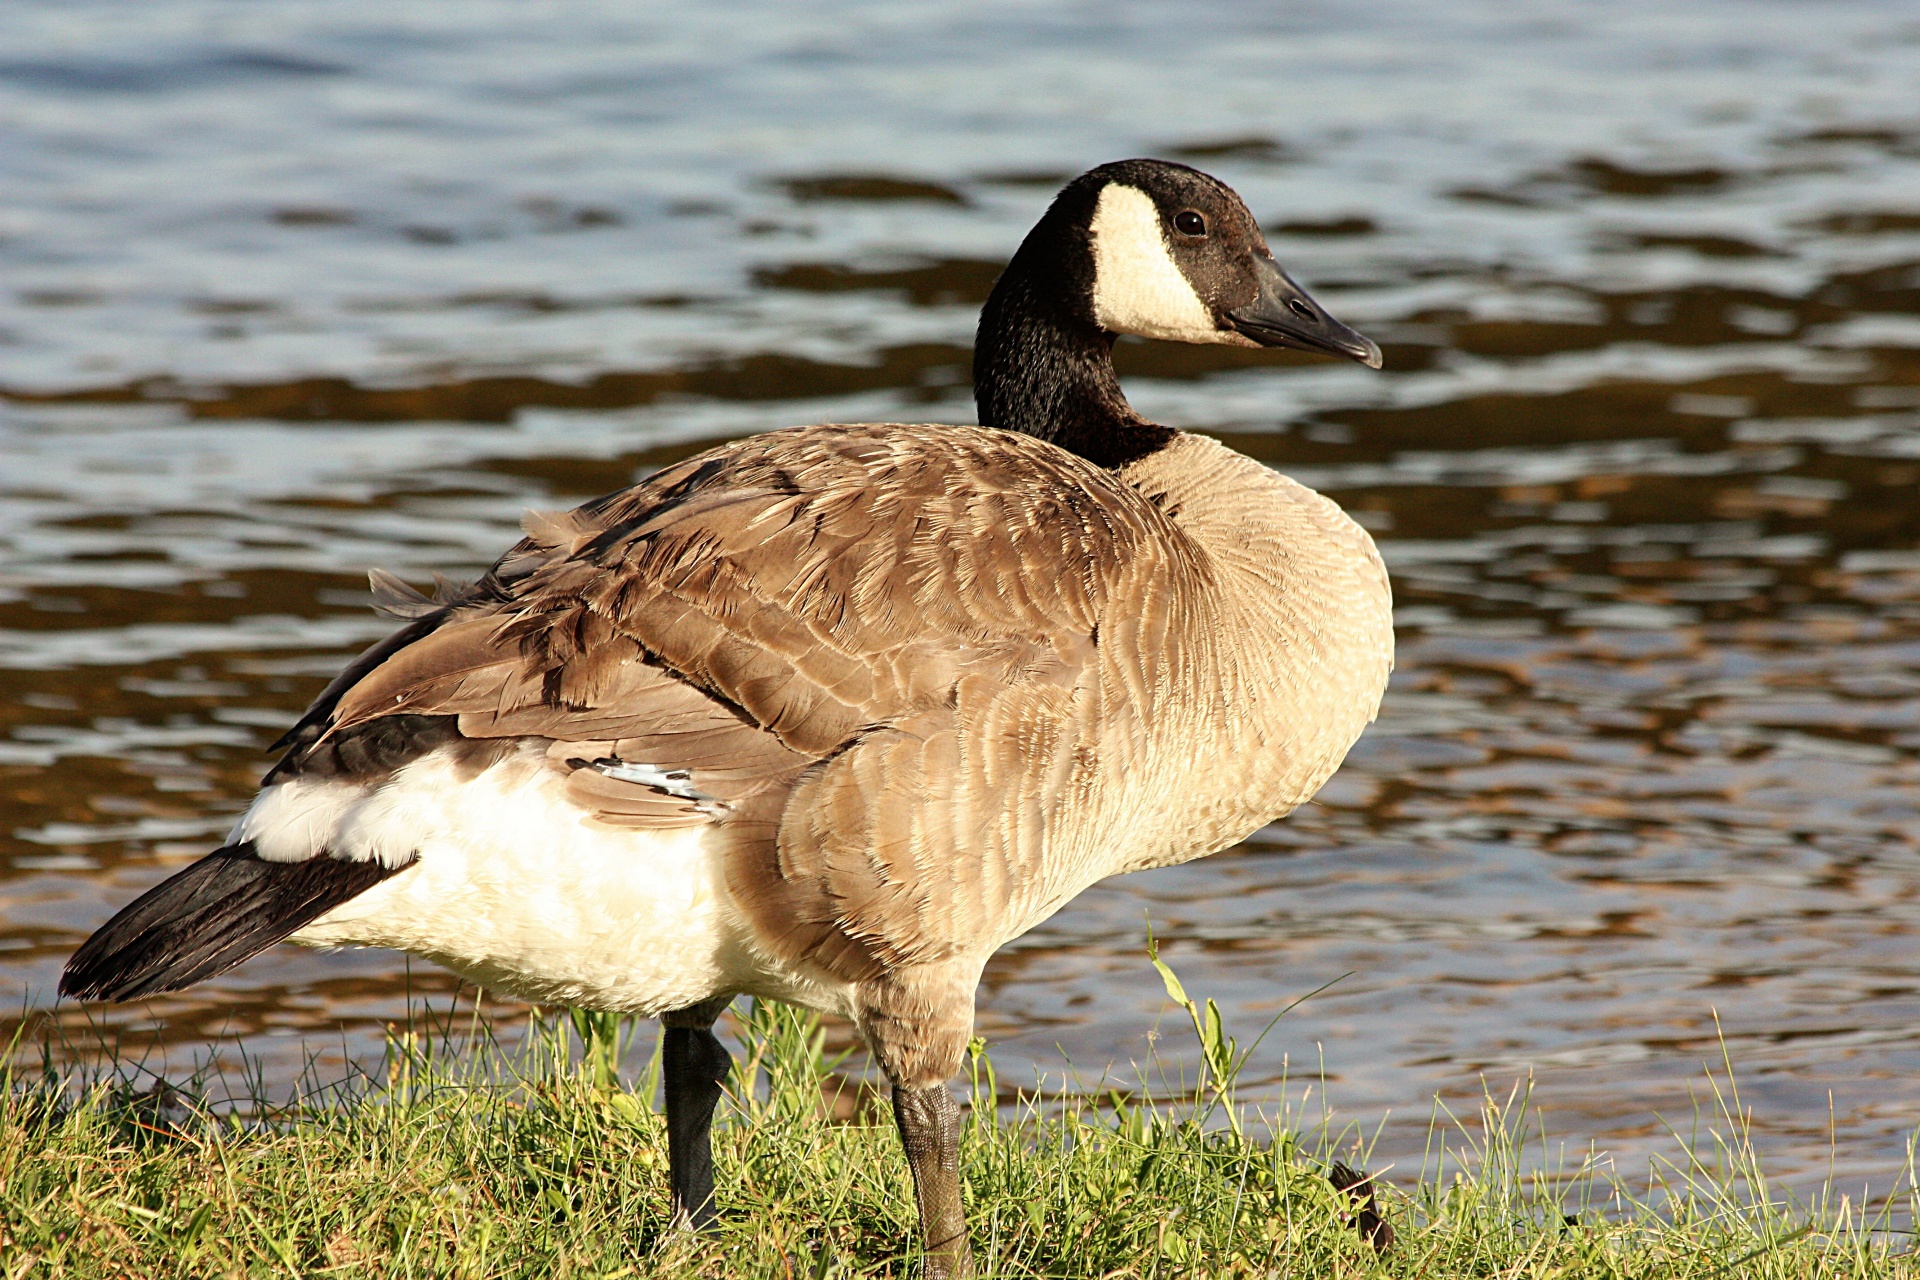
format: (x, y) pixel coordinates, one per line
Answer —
(395, 598)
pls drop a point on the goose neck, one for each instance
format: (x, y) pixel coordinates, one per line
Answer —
(1042, 369)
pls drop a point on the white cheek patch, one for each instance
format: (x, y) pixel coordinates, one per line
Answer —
(1137, 286)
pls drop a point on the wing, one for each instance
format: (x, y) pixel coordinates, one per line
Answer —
(870, 654)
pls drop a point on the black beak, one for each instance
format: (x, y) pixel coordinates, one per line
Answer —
(1282, 315)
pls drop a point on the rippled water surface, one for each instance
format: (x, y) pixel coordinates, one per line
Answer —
(289, 291)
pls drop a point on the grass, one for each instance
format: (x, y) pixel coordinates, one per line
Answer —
(471, 1159)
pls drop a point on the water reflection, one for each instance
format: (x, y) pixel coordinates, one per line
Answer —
(339, 293)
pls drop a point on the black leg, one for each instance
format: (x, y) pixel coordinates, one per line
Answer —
(695, 1064)
(929, 1121)
(1361, 1189)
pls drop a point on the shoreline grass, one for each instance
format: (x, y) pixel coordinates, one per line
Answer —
(472, 1159)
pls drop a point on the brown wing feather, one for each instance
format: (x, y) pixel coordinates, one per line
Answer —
(879, 644)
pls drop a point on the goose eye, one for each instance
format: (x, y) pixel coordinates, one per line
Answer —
(1189, 223)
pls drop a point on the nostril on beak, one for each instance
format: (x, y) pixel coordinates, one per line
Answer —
(1301, 309)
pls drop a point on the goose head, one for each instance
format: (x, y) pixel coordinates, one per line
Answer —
(1145, 247)
(1175, 254)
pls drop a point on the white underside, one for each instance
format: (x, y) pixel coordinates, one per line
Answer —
(519, 890)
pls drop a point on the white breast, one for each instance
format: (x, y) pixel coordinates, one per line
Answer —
(521, 891)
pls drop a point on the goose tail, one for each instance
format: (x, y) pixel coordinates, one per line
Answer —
(202, 921)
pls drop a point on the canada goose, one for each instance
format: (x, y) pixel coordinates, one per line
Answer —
(829, 714)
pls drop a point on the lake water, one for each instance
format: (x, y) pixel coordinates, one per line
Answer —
(289, 291)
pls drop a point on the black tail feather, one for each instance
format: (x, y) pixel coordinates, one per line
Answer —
(223, 909)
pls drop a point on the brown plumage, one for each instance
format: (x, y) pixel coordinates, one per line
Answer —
(940, 678)
(913, 686)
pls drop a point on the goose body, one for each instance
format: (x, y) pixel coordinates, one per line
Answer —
(829, 714)
(932, 797)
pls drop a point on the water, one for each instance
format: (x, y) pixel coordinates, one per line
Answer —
(289, 291)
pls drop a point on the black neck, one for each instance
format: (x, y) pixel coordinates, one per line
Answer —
(1043, 368)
